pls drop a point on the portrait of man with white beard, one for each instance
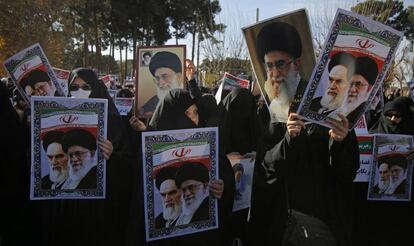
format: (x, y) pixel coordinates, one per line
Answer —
(279, 48)
(192, 178)
(166, 69)
(340, 68)
(364, 77)
(384, 174)
(170, 196)
(58, 161)
(398, 167)
(80, 146)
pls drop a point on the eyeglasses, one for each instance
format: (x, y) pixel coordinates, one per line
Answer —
(391, 114)
(191, 188)
(358, 84)
(279, 65)
(76, 87)
(78, 154)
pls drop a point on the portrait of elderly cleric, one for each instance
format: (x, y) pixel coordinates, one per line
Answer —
(170, 196)
(80, 146)
(38, 83)
(340, 68)
(192, 179)
(282, 54)
(57, 161)
(146, 58)
(392, 171)
(165, 73)
(364, 77)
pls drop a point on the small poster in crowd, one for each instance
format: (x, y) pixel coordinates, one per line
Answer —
(124, 105)
(160, 69)
(179, 164)
(63, 77)
(392, 171)
(282, 56)
(112, 93)
(358, 52)
(66, 160)
(243, 167)
(229, 83)
(32, 73)
(365, 144)
(361, 126)
(411, 86)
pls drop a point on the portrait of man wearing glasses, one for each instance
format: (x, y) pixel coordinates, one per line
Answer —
(192, 178)
(279, 48)
(80, 147)
(40, 84)
(365, 74)
(166, 69)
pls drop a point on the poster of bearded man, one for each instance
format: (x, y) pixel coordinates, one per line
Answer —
(179, 164)
(391, 173)
(162, 70)
(66, 160)
(282, 56)
(357, 54)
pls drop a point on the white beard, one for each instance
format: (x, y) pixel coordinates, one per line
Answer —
(171, 213)
(189, 209)
(162, 92)
(75, 177)
(351, 106)
(395, 184)
(58, 175)
(279, 106)
(383, 186)
(329, 102)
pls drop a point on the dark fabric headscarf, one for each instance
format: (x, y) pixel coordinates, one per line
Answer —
(170, 112)
(385, 125)
(240, 126)
(116, 129)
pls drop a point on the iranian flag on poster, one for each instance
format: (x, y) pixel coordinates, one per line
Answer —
(63, 77)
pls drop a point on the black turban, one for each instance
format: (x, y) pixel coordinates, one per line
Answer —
(165, 59)
(367, 68)
(344, 59)
(164, 174)
(52, 137)
(34, 77)
(279, 36)
(192, 170)
(79, 137)
(393, 160)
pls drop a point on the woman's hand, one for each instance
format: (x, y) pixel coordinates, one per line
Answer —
(339, 129)
(294, 125)
(216, 188)
(106, 147)
(136, 124)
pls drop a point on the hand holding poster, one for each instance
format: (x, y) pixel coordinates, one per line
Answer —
(391, 173)
(353, 64)
(33, 75)
(66, 160)
(179, 165)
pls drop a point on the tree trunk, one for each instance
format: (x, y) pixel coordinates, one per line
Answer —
(85, 52)
(120, 61)
(97, 43)
(198, 57)
(193, 48)
(134, 53)
(126, 59)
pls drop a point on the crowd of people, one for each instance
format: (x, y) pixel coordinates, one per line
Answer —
(305, 165)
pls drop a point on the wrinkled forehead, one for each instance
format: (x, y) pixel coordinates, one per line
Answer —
(339, 71)
(168, 185)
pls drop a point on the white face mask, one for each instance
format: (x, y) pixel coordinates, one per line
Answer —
(80, 93)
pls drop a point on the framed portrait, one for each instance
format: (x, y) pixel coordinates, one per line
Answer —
(32, 73)
(66, 160)
(282, 55)
(160, 69)
(178, 166)
(357, 54)
(391, 173)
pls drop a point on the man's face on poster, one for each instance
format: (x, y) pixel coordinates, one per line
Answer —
(358, 90)
(81, 159)
(397, 173)
(282, 72)
(337, 88)
(147, 59)
(44, 88)
(193, 194)
(58, 162)
(171, 197)
(384, 173)
(166, 79)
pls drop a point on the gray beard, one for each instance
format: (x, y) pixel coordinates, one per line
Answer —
(189, 209)
(351, 106)
(171, 213)
(162, 92)
(79, 174)
(330, 102)
(279, 106)
(383, 186)
(58, 176)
